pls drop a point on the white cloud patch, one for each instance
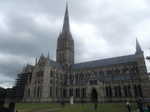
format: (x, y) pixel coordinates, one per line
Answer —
(6, 82)
(47, 22)
(3, 26)
(88, 36)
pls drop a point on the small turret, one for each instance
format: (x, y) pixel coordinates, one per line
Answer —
(42, 60)
(48, 56)
(36, 61)
(138, 48)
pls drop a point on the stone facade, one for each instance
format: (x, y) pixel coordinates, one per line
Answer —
(114, 79)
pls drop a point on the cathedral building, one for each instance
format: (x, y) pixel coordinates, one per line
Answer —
(106, 80)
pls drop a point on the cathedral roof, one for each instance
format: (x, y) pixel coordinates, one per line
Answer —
(55, 64)
(105, 62)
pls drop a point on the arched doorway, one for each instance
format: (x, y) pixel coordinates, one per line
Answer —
(94, 96)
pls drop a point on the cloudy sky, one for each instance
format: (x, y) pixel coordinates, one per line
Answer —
(101, 29)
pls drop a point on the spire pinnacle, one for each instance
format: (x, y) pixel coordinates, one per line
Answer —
(48, 55)
(36, 61)
(138, 47)
(66, 26)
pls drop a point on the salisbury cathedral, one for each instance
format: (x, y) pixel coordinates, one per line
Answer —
(106, 80)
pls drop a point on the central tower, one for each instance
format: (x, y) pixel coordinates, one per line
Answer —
(65, 43)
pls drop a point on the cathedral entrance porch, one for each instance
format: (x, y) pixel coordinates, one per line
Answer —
(94, 96)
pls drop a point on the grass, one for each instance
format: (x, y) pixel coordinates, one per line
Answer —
(110, 107)
(33, 107)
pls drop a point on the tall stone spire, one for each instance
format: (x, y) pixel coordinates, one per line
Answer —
(66, 26)
(65, 43)
(138, 47)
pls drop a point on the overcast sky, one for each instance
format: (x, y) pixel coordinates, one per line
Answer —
(100, 28)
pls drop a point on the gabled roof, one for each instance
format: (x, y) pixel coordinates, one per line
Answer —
(105, 62)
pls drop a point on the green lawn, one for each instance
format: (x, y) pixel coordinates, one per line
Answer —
(111, 107)
(33, 107)
(101, 108)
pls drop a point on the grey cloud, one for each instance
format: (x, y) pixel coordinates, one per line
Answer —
(10, 69)
(37, 40)
(26, 38)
